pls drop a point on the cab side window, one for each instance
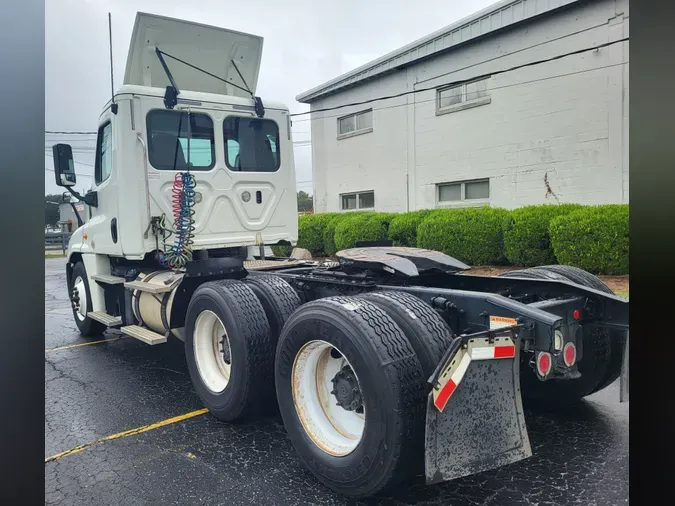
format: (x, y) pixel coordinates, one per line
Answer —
(103, 166)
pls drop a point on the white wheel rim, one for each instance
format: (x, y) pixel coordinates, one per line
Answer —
(211, 347)
(334, 429)
(81, 312)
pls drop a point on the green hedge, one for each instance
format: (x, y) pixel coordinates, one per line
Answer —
(282, 251)
(361, 228)
(403, 228)
(472, 235)
(329, 233)
(329, 247)
(311, 228)
(593, 238)
(526, 239)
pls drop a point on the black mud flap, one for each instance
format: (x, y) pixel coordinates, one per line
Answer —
(624, 382)
(475, 416)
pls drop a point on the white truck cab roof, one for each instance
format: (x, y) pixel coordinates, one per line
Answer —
(191, 97)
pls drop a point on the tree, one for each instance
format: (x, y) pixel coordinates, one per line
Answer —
(52, 209)
(305, 202)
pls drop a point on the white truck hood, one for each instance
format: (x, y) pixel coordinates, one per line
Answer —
(207, 47)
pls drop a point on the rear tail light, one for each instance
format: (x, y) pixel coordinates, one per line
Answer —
(570, 354)
(544, 363)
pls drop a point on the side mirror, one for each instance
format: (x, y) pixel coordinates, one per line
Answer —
(63, 165)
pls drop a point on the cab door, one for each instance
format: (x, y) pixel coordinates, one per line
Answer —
(103, 227)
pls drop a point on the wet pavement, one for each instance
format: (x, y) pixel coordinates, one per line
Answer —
(93, 391)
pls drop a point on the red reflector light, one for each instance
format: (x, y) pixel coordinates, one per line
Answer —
(576, 314)
(505, 351)
(570, 354)
(543, 364)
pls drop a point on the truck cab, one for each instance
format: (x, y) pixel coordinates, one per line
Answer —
(237, 147)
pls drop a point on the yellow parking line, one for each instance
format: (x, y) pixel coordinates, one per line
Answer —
(82, 344)
(130, 432)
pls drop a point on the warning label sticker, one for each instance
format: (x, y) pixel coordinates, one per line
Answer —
(499, 322)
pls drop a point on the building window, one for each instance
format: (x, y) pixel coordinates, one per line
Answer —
(465, 191)
(357, 123)
(251, 144)
(353, 201)
(463, 96)
(168, 134)
(103, 166)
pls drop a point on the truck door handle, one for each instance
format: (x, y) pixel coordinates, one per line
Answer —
(113, 229)
(258, 197)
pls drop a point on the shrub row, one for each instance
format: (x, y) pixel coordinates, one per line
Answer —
(594, 238)
(527, 241)
(472, 235)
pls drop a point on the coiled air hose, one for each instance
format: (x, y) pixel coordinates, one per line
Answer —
(182, 202)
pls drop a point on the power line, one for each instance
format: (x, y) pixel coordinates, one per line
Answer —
(70, 132)
(417, 102)
(64, 132)
(74, 161)
(93, 148)
(463, 81)
(77, 173)
(431, 88)
(74, 148)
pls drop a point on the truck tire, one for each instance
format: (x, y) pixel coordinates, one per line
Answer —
(278, 299)
(366, 435)
(617, 341)
(78, 290)
(533, 274)
(593, 366)
(576, 275)
(229, 350)
(427, 332)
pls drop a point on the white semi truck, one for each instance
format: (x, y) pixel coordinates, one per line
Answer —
(387, 364)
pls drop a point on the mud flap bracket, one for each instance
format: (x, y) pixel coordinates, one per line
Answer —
(625, 373)
(475, 418)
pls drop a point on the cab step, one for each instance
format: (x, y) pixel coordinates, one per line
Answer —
(143, 334)
(105, 318)
(108, 279)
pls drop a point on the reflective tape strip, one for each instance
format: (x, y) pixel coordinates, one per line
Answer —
(478, 349)
(490, 352)
(446, 391)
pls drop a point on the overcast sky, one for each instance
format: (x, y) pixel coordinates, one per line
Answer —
(307, 42)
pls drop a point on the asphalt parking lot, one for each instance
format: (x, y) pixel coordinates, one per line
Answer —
(165, 450)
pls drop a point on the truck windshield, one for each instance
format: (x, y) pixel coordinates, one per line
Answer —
(252, 145)
(168, 140)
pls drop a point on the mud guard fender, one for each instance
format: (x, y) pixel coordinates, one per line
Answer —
(625, 372)
(475, 418)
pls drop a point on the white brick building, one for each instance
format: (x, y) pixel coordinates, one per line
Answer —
(497, 141)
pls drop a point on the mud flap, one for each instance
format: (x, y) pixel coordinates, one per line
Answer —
(475, 416)
(624, 382)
